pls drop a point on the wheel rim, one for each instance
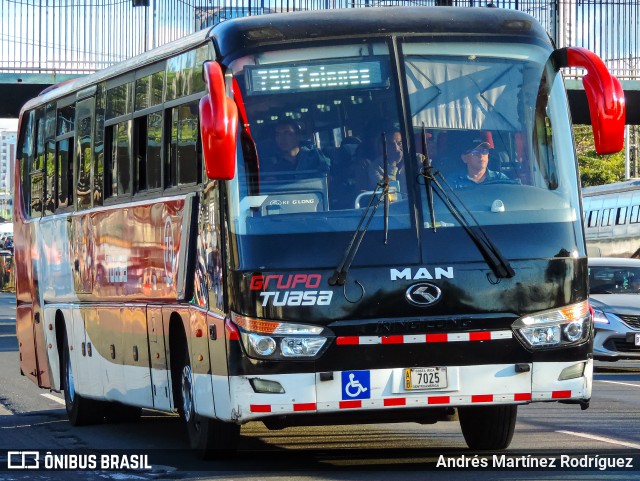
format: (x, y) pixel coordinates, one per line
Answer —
(187, 401)
(70, 385)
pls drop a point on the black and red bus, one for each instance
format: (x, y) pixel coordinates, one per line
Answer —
(167, 256)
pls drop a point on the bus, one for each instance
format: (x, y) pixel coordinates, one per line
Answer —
(167, 257)
(612, 223)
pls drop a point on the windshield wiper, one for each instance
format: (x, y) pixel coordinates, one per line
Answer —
(339, 276)
(490, 252)
(429, 177)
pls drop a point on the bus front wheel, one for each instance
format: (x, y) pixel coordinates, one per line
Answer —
(80, 411)
(210, 438)
(488, 427)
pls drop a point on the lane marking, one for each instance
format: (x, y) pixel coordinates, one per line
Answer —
(53, 397)
(4, 411)
(618, 382)
(602, 439)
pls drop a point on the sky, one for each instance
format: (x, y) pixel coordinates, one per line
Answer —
(9, 123)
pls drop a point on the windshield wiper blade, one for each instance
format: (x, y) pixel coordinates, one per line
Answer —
(489, 250)
(429, 177)
(339, 276)
(385, 186)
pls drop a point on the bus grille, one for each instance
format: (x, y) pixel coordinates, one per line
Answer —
(631, 321)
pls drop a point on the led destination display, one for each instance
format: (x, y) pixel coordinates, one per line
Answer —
(300, 78)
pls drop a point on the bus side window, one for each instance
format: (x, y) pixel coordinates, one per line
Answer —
(37, 166)
(183, 162)
(154, 151)
(593, 218)
(118, 159)
(64, 155)
(140, 153)
(50, 160)
(98, 145)
(633, 218)
(621, 216)
(85, 112)
(25, 156)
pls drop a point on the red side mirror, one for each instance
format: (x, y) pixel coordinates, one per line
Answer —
(605, 96)
(218, 126)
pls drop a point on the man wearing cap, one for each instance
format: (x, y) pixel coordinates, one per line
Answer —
(476, 158)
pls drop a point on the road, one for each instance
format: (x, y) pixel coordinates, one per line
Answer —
(35, 420)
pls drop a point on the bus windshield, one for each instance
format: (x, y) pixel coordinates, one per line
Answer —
(326, 122)
(501, 108)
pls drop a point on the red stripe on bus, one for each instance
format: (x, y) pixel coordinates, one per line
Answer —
(439, 400)
(479, 336)
(560, 394)
(304, 407)
(522, 396)
(482, 398)
(395, 402)
(437, 337)
(392, 339)
(350, 404)
(260, 408)
(348, 341)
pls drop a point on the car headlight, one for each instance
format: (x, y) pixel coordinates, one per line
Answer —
(562, 327)
(600, 316)
(276, 340)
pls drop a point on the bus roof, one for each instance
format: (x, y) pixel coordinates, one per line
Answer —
(248, 32)
(615, 188)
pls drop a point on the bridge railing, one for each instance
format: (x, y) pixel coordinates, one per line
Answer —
(71, 37)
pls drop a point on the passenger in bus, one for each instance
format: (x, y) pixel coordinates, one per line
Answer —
(290, 155)
(475, 155)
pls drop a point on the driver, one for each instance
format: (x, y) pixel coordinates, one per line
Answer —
(476, 159)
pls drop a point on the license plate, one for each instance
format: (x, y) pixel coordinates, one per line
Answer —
(416, 378)
(638, 339)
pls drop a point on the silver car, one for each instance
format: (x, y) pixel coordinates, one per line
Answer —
(614, 291)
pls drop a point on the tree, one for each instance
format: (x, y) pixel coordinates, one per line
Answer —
(596, 169)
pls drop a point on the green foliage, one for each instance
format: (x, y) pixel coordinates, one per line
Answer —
(596, 169)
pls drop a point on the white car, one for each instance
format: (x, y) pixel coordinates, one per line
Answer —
(614, 292)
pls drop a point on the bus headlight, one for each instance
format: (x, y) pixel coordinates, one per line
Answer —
(301, 346)
(274, 340)
(555, 328)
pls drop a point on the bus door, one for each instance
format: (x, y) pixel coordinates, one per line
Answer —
(135, 360)
(160, 382)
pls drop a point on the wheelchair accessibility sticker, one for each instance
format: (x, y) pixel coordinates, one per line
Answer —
(356, 385)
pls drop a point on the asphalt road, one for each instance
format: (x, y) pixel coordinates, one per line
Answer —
(33, 419)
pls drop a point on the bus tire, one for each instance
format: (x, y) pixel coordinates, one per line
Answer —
(210, 438)
(80, 410)
(488, 427)
(116, 413)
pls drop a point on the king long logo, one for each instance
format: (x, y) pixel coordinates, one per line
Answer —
(423, 294)
(291, 290)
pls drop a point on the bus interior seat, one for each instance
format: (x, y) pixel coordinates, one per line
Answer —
(344, 174)
(293, 192)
